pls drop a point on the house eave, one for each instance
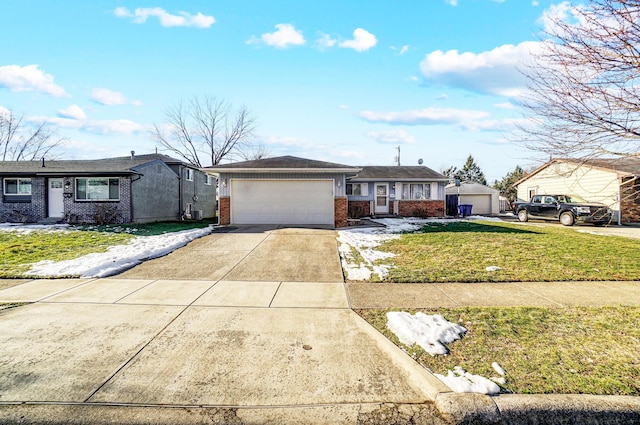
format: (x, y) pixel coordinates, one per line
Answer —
(232, 170)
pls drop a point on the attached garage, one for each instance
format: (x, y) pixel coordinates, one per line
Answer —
(282, 190)
(261, 201)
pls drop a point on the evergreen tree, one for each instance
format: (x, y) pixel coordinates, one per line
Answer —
(506, 184)
(471, 172)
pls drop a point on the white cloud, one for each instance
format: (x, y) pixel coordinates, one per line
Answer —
(491, 72)
(393, 136)
(505, 105)
(182, 19)
(344, 107)
(112, 126)
(325, 41)
(285, 36)
(404, 49)
(121, 126)
(452, 2)
(73, 112)
(109, 97)
(429, 116)
(4, 112)
(29, 78)
(362, 40)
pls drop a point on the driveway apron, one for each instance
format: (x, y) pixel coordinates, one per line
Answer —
(251, 253)
(256, 319)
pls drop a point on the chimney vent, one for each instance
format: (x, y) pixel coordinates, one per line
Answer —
(42, 162)
(133, 153)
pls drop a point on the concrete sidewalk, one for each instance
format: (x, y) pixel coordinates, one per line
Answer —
(513, 294)
(253, 352)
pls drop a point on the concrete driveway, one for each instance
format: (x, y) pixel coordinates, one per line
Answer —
(251, 253)
(251, 326)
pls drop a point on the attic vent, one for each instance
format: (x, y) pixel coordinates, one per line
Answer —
(133, 154)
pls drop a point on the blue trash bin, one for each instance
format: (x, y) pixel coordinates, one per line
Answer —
(464, 209)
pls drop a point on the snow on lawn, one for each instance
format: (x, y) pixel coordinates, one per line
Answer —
(365, 240)
(431, 332)
(116, 259)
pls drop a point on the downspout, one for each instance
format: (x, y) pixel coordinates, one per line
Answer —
(620, 203)
(131, 194)
(180, 197)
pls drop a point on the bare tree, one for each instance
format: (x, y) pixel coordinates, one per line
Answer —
(205, 130)
(20, 141)
(584, 94)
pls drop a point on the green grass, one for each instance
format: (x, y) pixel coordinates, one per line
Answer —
(18, 250)
(577, 350)
(461, 251)
(150, 229)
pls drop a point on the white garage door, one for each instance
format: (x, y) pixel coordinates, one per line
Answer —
(481, 203)
(281, 201)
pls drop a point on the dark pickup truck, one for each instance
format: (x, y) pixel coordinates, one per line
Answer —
(568, 209)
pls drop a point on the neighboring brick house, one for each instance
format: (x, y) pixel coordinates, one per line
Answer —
(143, 188)
(613, 182)
(407, 191)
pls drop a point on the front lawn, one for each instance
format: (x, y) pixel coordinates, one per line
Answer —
(21, 246)
(578, 350)
(461, 251)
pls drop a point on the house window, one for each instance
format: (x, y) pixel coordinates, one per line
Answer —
(17, 186)
(358, 189)
(189, 174)
(207, 180)
(416, 191)
(97, 189)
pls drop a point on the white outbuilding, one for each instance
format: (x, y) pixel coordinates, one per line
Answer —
(484, 199)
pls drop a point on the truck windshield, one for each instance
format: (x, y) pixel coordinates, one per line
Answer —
(571, 199)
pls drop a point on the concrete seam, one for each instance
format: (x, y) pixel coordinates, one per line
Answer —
(538, 295)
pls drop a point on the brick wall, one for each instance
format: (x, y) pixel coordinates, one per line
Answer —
(225, 211)
(358, 209)
(340, 212)
(116, 212)
(26, 211)
(410, 208)
(630, 201)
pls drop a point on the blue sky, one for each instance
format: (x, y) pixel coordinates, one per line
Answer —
(342, 81)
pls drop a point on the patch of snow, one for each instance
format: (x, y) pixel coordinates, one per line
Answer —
(120, 257)
(461, 381)
(430, 332)
(493, 268)
(29, 228)
(499, 370)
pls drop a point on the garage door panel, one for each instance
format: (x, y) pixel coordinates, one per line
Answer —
(282, 201)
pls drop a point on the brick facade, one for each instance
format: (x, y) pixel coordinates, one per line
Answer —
(340, 212)
(113, 212)
(26, 211)
(225, 211)
(411, 208)
(630, 201)
(359, 209)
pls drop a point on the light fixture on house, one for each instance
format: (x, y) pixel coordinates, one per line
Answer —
(339, 183)
(67, 186)
(224, 182)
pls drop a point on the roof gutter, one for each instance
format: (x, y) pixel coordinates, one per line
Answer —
(217, 171)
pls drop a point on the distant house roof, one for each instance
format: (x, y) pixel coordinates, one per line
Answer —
(625, 166)
(106, 166)
(398, 173)
(281, 164)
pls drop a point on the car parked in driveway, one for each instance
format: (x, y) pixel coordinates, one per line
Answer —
(567, 209)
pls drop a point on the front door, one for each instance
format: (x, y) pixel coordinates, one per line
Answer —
(382, 198)
(55, 195)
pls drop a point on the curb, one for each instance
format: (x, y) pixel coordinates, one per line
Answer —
(551, 409)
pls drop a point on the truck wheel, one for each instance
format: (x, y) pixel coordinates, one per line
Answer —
(523, 215)
(566, 218)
